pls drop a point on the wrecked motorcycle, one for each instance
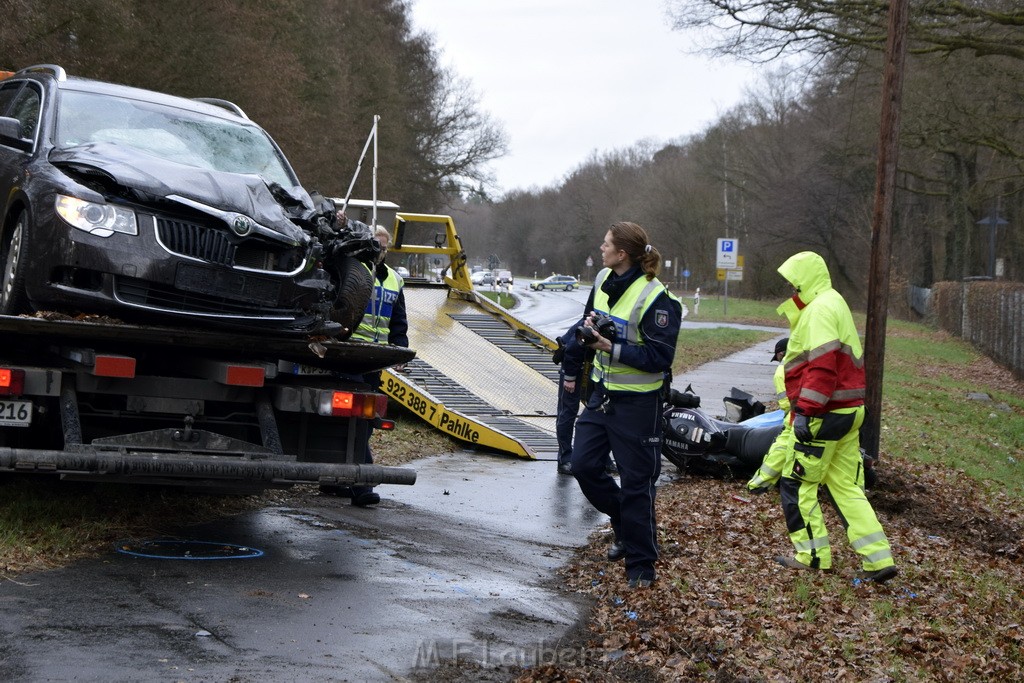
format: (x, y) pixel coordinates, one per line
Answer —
(695, 441)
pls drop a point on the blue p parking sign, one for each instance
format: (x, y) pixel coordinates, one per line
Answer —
(728, 250)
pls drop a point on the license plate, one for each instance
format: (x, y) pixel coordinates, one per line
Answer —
(299, 369)
(15, 413)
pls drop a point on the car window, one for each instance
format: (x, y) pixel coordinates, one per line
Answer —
(21, 103)
(7, 93)
(179, 135)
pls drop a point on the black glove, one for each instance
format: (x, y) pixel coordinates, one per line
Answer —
(802, 428)
(559, 353)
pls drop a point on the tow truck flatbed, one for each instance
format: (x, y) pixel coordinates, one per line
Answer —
(101, 400)
(347, 357)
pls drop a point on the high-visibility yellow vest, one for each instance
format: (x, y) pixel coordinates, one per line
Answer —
(376, 323)
(627, 313)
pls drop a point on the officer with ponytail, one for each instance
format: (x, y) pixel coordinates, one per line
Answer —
(632, 325)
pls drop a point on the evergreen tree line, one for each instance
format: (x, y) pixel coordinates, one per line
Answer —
(312, 73)
(792, 167)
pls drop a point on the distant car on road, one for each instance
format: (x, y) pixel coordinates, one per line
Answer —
(402, 270)
(503, 277)
(565, 282)
(482, 277)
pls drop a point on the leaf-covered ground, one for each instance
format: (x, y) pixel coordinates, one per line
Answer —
(723, 610)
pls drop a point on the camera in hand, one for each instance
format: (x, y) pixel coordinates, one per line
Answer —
(605, 327)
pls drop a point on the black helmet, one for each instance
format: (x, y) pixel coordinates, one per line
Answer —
(780, 346)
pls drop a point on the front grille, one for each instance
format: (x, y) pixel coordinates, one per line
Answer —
(213, 244)
(197, 241)
(255, 302)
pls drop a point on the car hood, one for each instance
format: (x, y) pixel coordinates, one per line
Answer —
(242, 193)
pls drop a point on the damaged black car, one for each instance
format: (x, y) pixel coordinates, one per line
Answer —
(147, 206)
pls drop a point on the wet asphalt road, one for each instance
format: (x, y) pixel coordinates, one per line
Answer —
(465, 562)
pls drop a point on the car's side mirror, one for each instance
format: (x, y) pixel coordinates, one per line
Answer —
(10, 134)
(10, 128)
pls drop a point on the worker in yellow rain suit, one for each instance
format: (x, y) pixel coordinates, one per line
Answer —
(768, 473)
(824, 373)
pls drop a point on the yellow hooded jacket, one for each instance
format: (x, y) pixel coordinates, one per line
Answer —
(824, 361)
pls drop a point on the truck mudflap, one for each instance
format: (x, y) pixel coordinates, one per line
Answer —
(140, 467)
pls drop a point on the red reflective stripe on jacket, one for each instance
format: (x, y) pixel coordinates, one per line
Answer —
(834, 375)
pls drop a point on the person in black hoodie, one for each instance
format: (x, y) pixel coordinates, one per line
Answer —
(623, 413)
(572, 357)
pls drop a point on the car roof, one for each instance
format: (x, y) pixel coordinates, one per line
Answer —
(79, 84)
(59, 78)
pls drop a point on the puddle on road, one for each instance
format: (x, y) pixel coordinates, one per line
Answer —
(177, 549)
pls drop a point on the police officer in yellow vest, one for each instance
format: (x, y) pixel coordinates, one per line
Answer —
(624, 411)
(825, 382)
(384, 322)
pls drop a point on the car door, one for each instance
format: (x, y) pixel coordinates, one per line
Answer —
(21, 100)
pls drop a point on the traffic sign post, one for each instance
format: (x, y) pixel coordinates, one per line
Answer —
(728, 253)
(727, 259)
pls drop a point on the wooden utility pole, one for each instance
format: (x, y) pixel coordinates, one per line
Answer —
(881, 220)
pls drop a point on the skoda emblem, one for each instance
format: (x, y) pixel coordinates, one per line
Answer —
(241, 225)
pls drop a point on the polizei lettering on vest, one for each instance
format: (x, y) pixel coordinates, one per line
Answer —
(459, 428)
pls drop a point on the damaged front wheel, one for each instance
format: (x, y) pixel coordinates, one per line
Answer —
(354, 283)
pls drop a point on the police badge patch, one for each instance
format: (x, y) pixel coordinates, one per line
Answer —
(661, 318)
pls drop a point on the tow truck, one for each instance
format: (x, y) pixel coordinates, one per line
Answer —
(89, 397)
(101, 400)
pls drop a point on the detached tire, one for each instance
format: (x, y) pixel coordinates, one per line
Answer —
(13, 250)
(355, 287)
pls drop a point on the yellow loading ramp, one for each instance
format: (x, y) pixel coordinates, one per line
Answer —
(480, 374)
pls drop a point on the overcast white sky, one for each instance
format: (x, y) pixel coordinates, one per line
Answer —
(567, 78)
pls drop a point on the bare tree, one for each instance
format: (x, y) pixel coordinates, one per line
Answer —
(765, 29)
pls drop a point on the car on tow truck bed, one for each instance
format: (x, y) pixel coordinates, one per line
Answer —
(149, 206)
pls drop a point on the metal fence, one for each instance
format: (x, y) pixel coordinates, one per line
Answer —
(990, 315)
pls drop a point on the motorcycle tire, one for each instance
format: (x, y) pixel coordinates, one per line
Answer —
(354, 288)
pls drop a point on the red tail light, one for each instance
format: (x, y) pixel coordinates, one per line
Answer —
(347, 404)
(12, 382)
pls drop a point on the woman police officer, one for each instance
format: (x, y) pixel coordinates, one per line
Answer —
(624, 411)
